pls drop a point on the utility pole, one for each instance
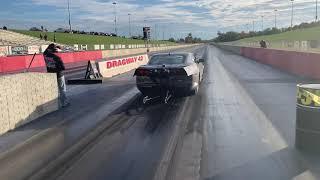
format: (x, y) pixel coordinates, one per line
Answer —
(155, 31)
(70, 28)
(115, 18)
(262, 22)
(275, 18)
(253, 25)
(163, 33)
(316, 10)
(129, 25)
(291, 13)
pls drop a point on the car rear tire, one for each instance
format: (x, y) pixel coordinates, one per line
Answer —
(196, 90)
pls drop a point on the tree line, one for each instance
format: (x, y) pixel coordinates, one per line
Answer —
(189, 39)
(234, 36)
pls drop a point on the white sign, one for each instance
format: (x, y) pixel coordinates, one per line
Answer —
(296, 45)
(33, 49)
(96, 47)
(102, 46)
(111, 46)
(76, 47)
(283, 44)
(84, 47)
(5, 50)
(304, 45)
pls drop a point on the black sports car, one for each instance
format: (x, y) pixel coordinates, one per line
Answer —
(170, 72)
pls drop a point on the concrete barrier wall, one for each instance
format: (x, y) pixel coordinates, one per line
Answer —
(16, 63)
(301, 63)
(126, 52)
(20, 63)
(25, 97)
(72, 59)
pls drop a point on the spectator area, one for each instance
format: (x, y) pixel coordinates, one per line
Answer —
(9, 38)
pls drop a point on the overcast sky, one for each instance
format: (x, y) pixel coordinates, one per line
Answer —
(166, 17)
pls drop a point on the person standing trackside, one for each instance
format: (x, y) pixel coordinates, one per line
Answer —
(54, 36)
(54, 64)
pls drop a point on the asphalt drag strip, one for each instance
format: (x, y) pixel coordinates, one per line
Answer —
(137, 144)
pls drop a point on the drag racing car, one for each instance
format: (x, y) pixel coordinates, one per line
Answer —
(170, 74)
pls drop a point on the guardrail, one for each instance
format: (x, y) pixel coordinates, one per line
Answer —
(301, 63)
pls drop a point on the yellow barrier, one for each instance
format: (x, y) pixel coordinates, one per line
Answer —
(308, 95)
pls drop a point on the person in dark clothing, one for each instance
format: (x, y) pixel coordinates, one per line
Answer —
(54, 36)
(54, 64)
(263, 44)
(40, 36)
(45, 37)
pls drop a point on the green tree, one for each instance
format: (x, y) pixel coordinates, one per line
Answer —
(172, 40)
(189, 38)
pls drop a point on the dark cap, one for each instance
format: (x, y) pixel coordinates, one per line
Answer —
(52, 47)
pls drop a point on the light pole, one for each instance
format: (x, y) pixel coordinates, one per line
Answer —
(275, 18)
(70, 28)
(262, 22)
(155, 31)
(129, 25)
(115, 18)
(316, 10)
(163, 32)
(170, 30)
(253, 26)
(291, 13)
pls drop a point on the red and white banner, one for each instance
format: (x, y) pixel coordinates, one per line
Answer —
(114, 67)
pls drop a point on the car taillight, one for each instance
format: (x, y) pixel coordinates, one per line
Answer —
(142, 72)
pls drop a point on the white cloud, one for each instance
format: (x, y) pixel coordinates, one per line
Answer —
(206, 16)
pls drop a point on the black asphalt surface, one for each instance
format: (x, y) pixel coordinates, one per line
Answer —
(134, 146)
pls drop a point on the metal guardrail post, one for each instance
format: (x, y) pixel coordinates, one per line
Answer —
(34, 55)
